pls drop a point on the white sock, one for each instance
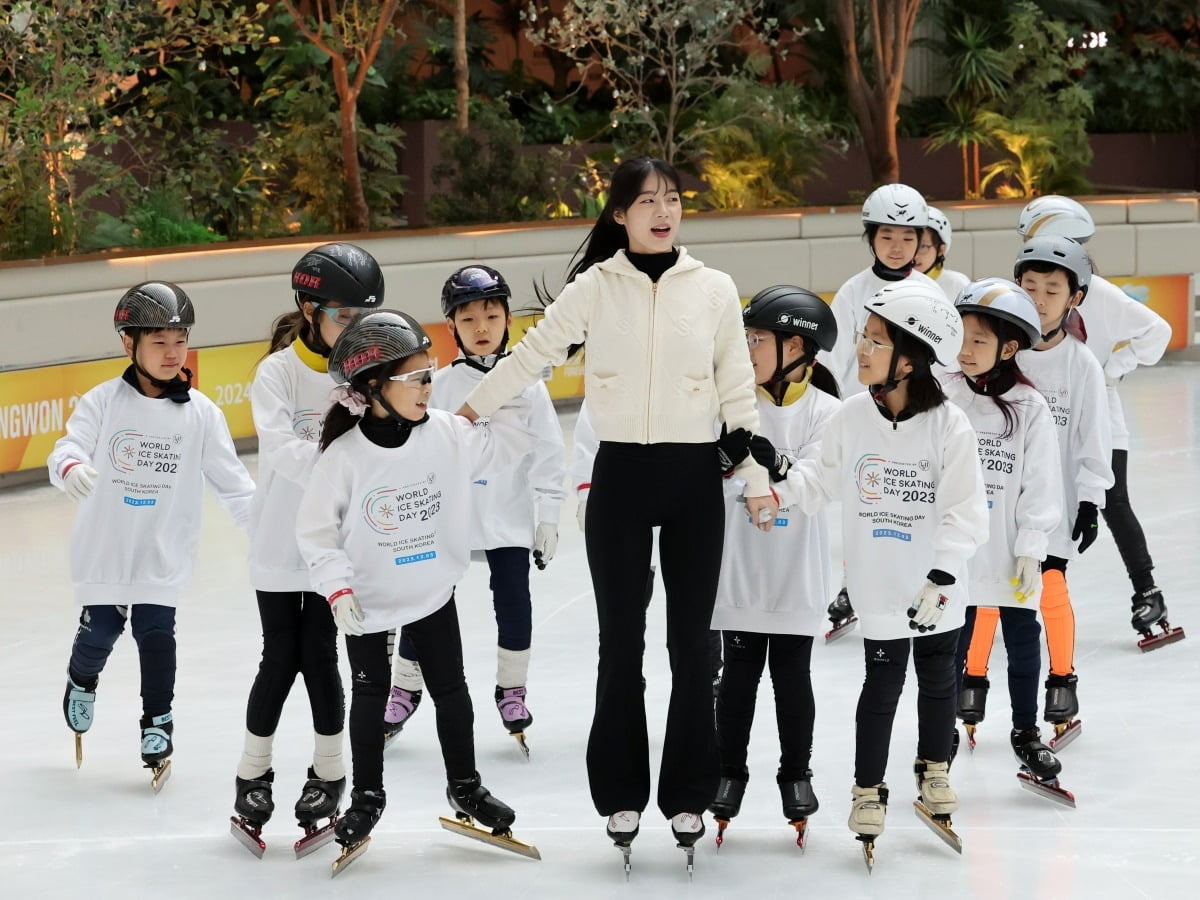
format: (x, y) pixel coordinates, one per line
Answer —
(256, 756)
(512, 667)
(406, 674)
(327, 757)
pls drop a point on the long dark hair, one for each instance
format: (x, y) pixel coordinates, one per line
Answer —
(822, 379)
(1010, 373)
(924, 390)
(339, 419)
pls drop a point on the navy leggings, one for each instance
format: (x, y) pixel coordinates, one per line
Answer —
(153, 628)
(1023, 642)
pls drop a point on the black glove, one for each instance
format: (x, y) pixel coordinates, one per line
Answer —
(769, 458)
(732, 448)
(1085, 530)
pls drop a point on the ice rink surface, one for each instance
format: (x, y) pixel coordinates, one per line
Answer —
(100, 832)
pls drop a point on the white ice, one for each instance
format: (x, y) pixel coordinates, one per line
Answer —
(100, 832)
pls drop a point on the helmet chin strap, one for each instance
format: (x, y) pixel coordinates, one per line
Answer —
(996, 380)
(890, 383)
(402, 424)
(185, 377)
(777, 383)
(1062, 323)
(474, 360)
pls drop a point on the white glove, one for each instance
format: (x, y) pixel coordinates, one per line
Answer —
(581, 507)
(545, 542)
(80, 481)
(347, 613)
(1027, 578)
(927, 607)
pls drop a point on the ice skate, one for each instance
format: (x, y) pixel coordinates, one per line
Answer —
(254, 806)
(353, 830)
(157, 747)
(622, 829)
(471, 801)
(78, 705)
(688, 828)
(868, 809)
(318, 800)
(799, 802)
(1149, 611)
(841, 614)
(1062, 705)
(514, 714)
(937, 800)
(1039, 767)
(400, 708)
(728, 802)
(972, 702)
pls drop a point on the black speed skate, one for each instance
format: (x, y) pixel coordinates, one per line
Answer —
(622, 828)
(318, 800)
(471, 801)
(799, 802)
(972, 703)
(1150, 610)
(841, 614)
(728, 802)
(688, 828)
(1039, 767)
(157, 747)
(1062, 705)
(353, 830)
(254, 806)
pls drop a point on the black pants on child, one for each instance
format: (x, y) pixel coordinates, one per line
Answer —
(934, 657)
(789, 655)
(153, 628)
(439, 643)
(1126, 530)
(1023, 643)
(634, 488)
(299, 638)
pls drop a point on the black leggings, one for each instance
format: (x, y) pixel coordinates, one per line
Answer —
(634, 488)
(746, 652)
(1125, 528)
(299, 638)
(887, 664)
(439, 643)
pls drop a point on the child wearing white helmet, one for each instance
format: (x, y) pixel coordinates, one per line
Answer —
(1123, 334)
(1018, 450)
(931, 254)
(905, 466)
(894, 218)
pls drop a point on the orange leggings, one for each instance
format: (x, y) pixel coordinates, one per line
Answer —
(1059, 619)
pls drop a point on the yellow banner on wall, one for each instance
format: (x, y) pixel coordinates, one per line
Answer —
(1168, 295)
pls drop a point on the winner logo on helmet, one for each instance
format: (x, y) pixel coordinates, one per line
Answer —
(795, 322)
(929, 333)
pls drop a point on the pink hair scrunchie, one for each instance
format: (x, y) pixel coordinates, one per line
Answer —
(351, 399)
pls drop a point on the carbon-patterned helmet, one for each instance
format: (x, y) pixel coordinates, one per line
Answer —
(1058, 251)
(940, 225)
(339, 273)
(153, 305)
(1055, 214)
(1002, 299)
(923, 313)
(792, 310)
(895, 204)
(374, 340)
(472, 283)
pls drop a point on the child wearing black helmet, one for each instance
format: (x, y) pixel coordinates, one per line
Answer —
(515, 510)
(136, 454)
(771, 595)
(384, 526)
(332, 284)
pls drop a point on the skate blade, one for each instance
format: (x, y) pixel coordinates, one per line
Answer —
(162, 774)
(520, 736)
(505, 841)
(939, 825)
(314, 838)
(349, 854)
(624, 848)
(970, 729)
(1065, 734)
(1168, 635)
(722, 824)
(247, 835)
(78, 749)
(868, 851)
(1050, 789)
(801, 826)
(838, 631)
(690, 850)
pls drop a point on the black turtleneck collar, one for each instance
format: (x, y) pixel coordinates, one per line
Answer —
(653, 264)
(387, 432)
(891, 274)
(176, 389)
(996, 382)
